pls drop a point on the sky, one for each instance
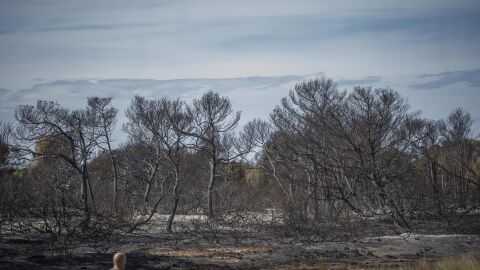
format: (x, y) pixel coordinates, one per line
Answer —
(251, 51)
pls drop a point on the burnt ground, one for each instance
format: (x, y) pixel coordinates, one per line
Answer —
(368, 245)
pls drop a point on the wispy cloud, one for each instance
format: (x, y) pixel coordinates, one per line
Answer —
(434, 81)
(263, 92)
(370, 80)
(254, 96)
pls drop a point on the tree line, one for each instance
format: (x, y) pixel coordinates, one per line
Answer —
(324, 156)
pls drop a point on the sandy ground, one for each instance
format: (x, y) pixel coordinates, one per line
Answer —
(370, 247)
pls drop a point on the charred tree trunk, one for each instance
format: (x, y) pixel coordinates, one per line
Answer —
(146, 195)
(436, 190)
(176, 199)
(115, 176)
(211, 186)
(84, 197)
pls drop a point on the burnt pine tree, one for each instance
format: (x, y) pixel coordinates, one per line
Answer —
(213, 119)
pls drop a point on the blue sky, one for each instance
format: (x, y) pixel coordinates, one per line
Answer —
(68, 50)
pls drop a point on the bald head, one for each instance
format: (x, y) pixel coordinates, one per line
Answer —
(119, 261)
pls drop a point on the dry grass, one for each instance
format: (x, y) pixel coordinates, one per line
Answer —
(227, 255)
(210, 252)
(463, 263)
(470, 262)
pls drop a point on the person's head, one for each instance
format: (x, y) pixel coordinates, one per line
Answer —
(119, 261)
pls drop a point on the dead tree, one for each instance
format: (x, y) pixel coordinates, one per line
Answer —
(455, 132)
(213, 119)
(375, 128)
(260, 134)
(304, 130)
(165, 122)
(350, 145)
(5, 147)
(78, 131)
(105, 117)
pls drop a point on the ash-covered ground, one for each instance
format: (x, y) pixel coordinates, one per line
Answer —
(369, 244)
